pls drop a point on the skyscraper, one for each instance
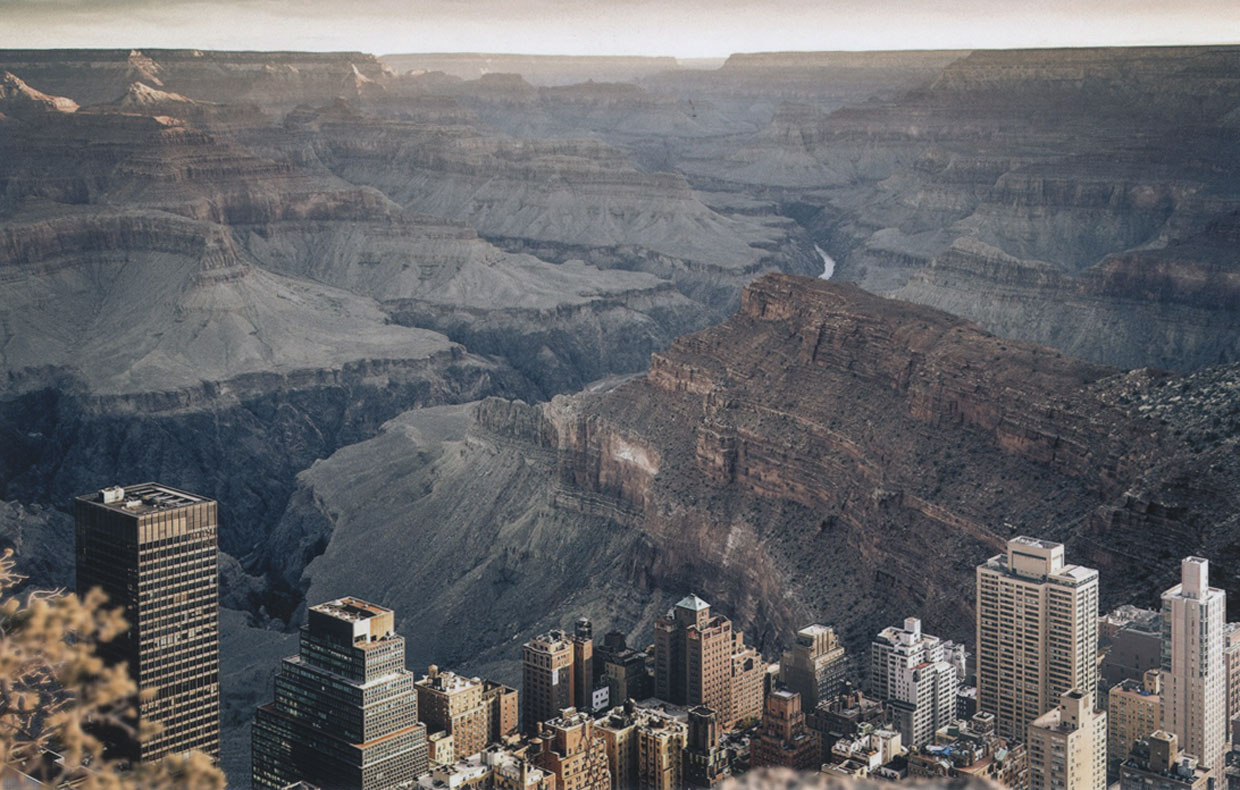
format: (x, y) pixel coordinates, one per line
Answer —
(345, 713)
(1068, 746)
(693, 656)
(547, 682)
(152, 550)
(583, 664)
(1194, 673)
(917, 676)
(1037, 632)
(814, 667)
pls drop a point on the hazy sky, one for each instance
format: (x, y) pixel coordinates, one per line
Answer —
(686, 28)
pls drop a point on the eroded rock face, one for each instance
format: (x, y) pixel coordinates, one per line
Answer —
(820, 445)
(1090, 161)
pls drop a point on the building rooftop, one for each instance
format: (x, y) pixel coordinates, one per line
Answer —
(447, 681)
(692, 602)
(350, 610)
(142, 498)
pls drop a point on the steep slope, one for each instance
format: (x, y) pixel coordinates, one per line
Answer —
(819, 446)
(1076, 158)
(558, 199)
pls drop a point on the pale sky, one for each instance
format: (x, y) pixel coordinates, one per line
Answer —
(683, 28)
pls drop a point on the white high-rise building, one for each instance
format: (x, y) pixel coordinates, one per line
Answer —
(1194, 672)
(1068, 746)
(1037, 632)
(917, 675)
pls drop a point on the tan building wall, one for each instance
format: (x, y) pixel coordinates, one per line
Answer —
(1132, 714)
(452, 703)
(660, 746)
(1028, 600)
(748, 684)
(1067, 746)
(571, 748)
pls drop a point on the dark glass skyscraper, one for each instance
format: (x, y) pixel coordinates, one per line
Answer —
(152, 550)
(345, 714)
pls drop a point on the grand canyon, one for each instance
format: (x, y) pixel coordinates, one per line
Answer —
(500, 341)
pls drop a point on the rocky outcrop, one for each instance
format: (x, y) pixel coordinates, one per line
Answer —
(821, 444)
(1087, 160)
(276, 80)
(18, 100)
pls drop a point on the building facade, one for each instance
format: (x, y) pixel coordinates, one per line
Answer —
(1132, 714)
(152, 550)
(345, 713)
(1068, 746)
(547, 682)
(693, 656)
(783, 739)
(1037, 632)
(569, 747)
(660, 752)
(705, 760)
(814, 666)
(1193, 702)
(448, 702)
(748, 684)
(502, 711)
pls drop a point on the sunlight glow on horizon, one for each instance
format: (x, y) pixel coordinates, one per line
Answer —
(677, 28)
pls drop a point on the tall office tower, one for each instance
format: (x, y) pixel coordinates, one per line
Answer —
(1132, 714)
(783, 740)
(1068, 746)
(1194, 673)
(705, 760)
(1037, 632)
(917, 676)
(152, 550)
(693, 656)
(546, 679)
(501, 702)
(1231, 653)
(660, 751)
(448, 702)
(814, 667)
(570, 747)
(345, 713)
(583, 665)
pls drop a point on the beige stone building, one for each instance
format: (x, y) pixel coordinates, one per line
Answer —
(1132, 714)
(546, 679)
(1037, 632)
(660, 746)
(502, 707)
(1194, 672)
(748, 684)
(1068, 745)
(451, 703)
(570, 747)
(814, 666)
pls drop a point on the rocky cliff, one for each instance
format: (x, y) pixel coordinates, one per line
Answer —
(1087, 160)
(821, 444)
